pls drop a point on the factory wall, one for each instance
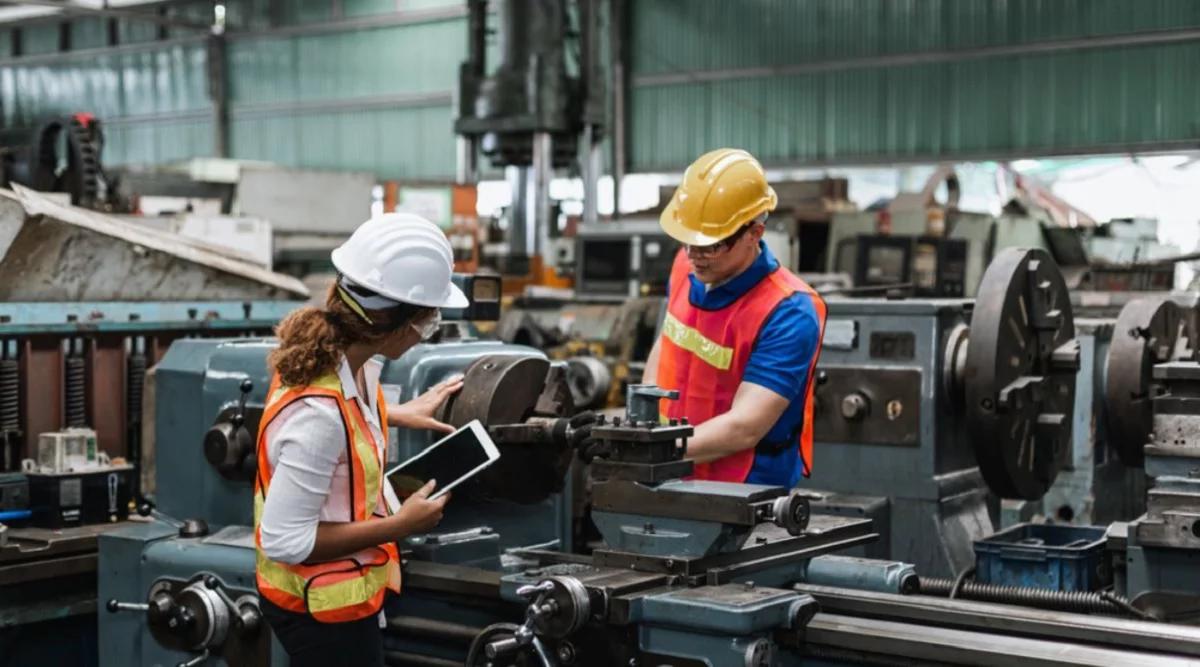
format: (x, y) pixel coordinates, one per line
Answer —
(368, 84)
(867, 81)
(363, 85)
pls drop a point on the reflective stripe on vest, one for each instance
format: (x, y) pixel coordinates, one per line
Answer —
(704, 353)
(346, 589)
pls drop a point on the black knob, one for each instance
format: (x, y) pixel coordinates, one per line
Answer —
(246, 386)
(145, 509)
(822, 377)
(249, 619)
(193, 528)
(111, 606)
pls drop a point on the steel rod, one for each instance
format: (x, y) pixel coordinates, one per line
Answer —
(1009, 620)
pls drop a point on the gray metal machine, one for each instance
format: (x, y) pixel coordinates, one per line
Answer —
(923, 407)
(684, 572)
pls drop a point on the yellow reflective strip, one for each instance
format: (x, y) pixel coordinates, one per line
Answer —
(693, 341)
(278, 576)
(324, 598)
(349, 301)
(350, 592)
(370, 462)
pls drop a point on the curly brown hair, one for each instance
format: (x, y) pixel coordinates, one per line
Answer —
(312, 340)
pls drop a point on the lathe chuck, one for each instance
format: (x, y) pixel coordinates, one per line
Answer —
(1019, 374)
(1148, 332)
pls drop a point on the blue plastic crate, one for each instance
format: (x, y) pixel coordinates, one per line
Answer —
(1057, 557)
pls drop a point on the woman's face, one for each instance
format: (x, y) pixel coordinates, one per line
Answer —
(398, 342)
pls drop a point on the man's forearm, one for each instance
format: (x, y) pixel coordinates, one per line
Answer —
(717, 438)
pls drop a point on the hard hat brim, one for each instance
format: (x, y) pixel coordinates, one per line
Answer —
(675, 229)
(455, 298)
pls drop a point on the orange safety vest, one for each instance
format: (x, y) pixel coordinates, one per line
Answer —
(704, 353)
(340, 590)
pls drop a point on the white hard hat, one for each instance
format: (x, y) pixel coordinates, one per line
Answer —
(403, 257)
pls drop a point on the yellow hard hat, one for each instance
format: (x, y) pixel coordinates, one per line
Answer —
(721, 191)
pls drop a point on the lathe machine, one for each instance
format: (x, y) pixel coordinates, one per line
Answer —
(687, 572)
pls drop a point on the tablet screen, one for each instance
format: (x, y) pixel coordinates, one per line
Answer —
(448, 461)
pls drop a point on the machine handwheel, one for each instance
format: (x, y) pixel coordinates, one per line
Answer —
(1019, 375)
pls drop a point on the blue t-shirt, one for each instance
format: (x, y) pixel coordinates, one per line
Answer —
(786, 348)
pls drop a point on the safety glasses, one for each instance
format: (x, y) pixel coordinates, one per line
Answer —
(720, 246)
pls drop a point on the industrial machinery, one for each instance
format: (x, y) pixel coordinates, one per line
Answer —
(922, 266)
(62, 155)
(540, 107)
(684, 572)
(924, 407)
(89, 305)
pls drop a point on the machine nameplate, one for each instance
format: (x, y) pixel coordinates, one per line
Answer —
(893, 345)
(869, 405)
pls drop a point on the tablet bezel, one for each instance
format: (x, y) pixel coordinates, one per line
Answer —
(481, 436)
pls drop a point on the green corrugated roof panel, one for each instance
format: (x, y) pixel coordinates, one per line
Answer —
(89, 33)
(1067, 101)
(672, 35)
(393, 143)
(419, 58)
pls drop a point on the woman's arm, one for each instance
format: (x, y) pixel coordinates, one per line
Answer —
(418, 514)
(418, 413)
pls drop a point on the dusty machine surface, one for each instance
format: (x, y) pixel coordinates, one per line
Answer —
(87, 309)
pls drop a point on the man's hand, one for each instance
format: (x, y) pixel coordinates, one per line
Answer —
(580, 437)
(418, 413)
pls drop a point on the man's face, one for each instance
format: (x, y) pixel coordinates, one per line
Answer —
(724, 260)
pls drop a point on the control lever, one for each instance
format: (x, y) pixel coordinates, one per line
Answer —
(524, 636)
(194, 662)
(113, 606)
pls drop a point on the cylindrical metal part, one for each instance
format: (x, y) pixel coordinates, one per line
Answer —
(413, 626)
(466, 169)
(1082, 602)
(591, 175)
(862, 574)
(405, 659)
(543, 172)
(521, 232)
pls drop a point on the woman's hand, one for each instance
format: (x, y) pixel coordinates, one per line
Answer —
(419, 514)
(418, 413)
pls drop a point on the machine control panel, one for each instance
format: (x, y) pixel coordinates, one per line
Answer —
(868, 405)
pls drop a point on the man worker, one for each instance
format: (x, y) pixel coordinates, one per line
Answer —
(741, 335)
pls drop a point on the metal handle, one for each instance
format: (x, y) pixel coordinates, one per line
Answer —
(501, 647)
(114, 606)
(198, 660)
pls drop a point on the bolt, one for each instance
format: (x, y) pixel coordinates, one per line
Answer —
(670, 563)
(566, 653)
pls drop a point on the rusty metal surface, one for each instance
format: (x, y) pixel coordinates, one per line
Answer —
(41, 390)
(497, 390)
(106, 409)
(506, 392)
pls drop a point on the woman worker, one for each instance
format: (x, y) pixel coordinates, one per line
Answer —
(326, 523)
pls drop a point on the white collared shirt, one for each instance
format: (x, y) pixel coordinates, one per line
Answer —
(310, 482)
